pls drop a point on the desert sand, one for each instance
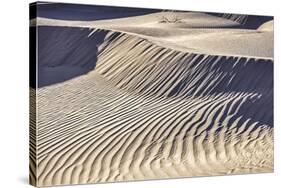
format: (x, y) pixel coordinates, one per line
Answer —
(164, 95)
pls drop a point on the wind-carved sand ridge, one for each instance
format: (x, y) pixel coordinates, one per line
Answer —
(146, 111)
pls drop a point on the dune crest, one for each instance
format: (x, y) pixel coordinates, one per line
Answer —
(208, 37)
(267, 26)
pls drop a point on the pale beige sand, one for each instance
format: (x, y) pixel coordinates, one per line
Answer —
(267, 26)
(122, 120)
(92, 132)
(32, 137)
(187, 20)
(197, 33)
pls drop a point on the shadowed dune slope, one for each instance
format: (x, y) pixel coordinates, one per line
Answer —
(68, 49)
(149, 69)
(147, 111)
(64, 53)
(245, 21)
(85, 12)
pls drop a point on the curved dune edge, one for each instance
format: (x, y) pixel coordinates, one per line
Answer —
(212, 41)
(145, 113)
(267, 26)
(187, 20)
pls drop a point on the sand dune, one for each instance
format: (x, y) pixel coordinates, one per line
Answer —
(268, 26)
(148, 109)
(73, 55)
(121, 136)
(196, 32)
(187, 20)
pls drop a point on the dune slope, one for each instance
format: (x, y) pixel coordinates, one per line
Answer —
(145, 109)
(195, 32)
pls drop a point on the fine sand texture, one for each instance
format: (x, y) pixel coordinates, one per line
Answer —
(162, 95)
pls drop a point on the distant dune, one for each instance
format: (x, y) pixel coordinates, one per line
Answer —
(186, 95)
(268, 26)
(193, 32)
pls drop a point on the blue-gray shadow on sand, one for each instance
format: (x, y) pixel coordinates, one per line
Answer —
(66, 11)
(66, 52)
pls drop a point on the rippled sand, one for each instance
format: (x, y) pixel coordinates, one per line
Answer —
(155, 106)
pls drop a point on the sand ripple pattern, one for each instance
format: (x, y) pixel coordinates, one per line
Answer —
(32, 137)
(148, 112)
